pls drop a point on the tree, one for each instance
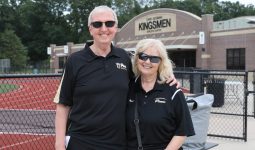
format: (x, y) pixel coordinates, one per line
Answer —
(250, 10)
(78, 17)
(192, 6)
(7, 16)
(126, 10)
(228, 10)
(42, 23)
(39, 23)
(12, 48)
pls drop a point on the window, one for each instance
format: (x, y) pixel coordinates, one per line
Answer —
(236, 58)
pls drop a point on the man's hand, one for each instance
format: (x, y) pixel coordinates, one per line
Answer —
(172, 81)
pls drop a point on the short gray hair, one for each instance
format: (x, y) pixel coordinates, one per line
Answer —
(102, 8)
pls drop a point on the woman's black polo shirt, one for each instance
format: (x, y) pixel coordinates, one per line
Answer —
(96, 89)
(163, 113)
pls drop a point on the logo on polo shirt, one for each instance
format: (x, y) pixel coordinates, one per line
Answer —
(160, 100)
(131, 100)
(121, 66)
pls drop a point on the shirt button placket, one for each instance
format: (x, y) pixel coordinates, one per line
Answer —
(106, 66)
(144, 102)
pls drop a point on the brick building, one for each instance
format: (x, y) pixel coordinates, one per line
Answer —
(191, 41)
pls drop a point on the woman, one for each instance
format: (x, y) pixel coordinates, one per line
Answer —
(164, 118)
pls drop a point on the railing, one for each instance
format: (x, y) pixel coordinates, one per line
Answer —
(27, 110)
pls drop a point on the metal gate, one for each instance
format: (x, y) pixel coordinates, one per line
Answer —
(233, 101)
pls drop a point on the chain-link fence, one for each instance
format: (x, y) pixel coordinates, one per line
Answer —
(231, 104)
(27, 110)
(251, 93)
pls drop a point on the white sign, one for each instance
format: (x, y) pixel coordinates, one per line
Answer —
(49, 50)
(201, 38)
(155, 23)
(66, 49)
(205, 56)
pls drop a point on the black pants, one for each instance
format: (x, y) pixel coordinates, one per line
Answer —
(77, 144)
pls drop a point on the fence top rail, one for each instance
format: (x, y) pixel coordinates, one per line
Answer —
(29, 75)
(212, 73)
(177, 72)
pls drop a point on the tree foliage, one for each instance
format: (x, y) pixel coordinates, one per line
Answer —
(12, 48)
(126, 10)
(36, 24)
(78, 17)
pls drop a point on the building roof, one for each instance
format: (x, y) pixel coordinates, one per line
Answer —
(235, 23)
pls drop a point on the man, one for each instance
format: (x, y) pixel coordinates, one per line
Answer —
(93, 91)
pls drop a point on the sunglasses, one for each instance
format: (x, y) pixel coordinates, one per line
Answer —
(153, 59)
(99, 24)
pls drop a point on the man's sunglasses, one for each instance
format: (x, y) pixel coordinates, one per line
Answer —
(153, 59)
(99, 24)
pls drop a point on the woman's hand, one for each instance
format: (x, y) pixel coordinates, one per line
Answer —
(175, 143)
(172, 81)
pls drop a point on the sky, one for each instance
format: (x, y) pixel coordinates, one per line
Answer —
(245, 2)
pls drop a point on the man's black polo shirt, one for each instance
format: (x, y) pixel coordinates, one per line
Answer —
(163, 113)
(96, 89)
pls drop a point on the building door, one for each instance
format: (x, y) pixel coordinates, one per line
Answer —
(62, 61)
(183, 58)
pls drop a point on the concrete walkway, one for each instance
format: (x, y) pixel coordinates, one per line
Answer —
(232, 144)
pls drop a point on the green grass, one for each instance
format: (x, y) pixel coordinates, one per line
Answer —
(4, 88)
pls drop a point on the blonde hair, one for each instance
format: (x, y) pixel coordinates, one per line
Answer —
(165, 67)
(102, 8)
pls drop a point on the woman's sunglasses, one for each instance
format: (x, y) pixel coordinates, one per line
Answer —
(99, 24)
(153, 59)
